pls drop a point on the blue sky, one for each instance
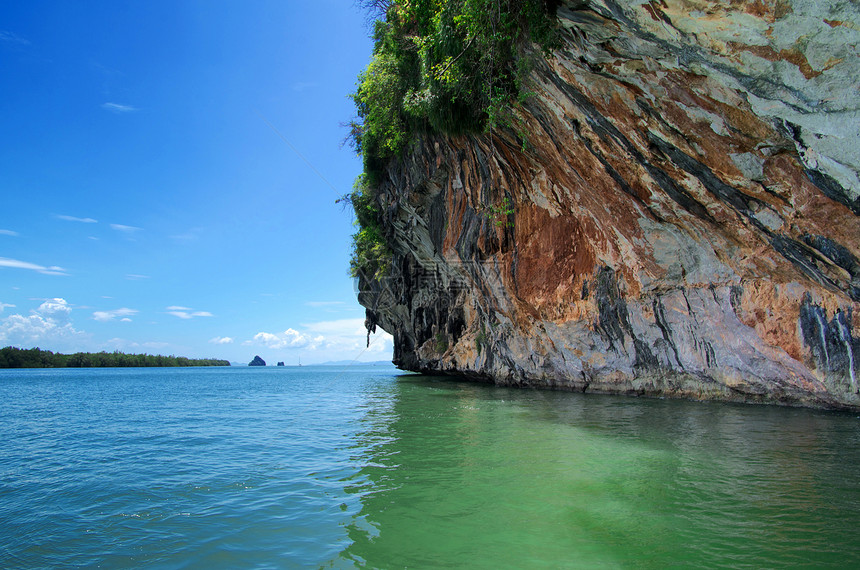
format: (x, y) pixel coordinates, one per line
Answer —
(148, 205)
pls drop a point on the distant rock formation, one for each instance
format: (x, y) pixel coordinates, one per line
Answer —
(257, 362)
(280, 363)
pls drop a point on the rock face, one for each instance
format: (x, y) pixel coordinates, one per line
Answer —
(257, 361)
(684, 219)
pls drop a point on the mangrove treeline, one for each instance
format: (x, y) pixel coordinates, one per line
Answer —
(11, 357)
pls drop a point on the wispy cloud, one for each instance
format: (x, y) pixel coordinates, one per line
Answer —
(221, 340)
(76, 219)
(5, 306)
(8, 233)
(125, 229)
(12, 38)
(304, 85)
(122, 314)
(135, 277)
(191, 235)
(186, 312)
(118, 108)
(51, 270)
(324, 303)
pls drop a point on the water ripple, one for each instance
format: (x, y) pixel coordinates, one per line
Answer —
(306, 467)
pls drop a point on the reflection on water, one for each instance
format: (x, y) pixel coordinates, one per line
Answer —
(458, 474)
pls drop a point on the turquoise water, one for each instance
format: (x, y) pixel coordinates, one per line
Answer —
(326, 467)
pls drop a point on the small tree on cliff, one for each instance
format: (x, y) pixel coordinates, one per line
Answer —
(450, 67)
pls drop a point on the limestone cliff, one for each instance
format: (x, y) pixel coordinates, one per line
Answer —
(684, 219)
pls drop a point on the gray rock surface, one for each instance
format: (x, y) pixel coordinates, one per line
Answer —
(686, 213)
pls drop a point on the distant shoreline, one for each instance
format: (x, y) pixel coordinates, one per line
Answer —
(11, 357)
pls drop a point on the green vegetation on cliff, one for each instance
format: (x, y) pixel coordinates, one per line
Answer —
(370, 253)
(11, 357)
(449, 67)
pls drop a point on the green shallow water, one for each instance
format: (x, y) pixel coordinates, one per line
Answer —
(464, 474)
(323, 467)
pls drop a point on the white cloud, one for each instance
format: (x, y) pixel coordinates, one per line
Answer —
(123, 314)
(8, 233)
(75, 219)
(381, 344)
(56, 309)
(349, 337)
(221, 340)
(180, 314)
(50, 323)
(290, 338)
(341, 339)
(187, 312)
(52, 270)
(124, 229)
(118, 108)
(5, 305)
(134, 277)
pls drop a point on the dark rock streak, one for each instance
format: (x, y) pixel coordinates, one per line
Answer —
(685, 222)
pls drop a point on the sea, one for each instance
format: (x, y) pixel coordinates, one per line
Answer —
(366, 466)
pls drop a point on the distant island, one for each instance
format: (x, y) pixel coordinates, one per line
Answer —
(257, 361)
(11, 357)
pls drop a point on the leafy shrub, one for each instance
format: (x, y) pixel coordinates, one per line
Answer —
(447, 66)
(370, 254)
(500, 215)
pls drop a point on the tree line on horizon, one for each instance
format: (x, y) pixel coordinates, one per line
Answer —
(12, 357)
